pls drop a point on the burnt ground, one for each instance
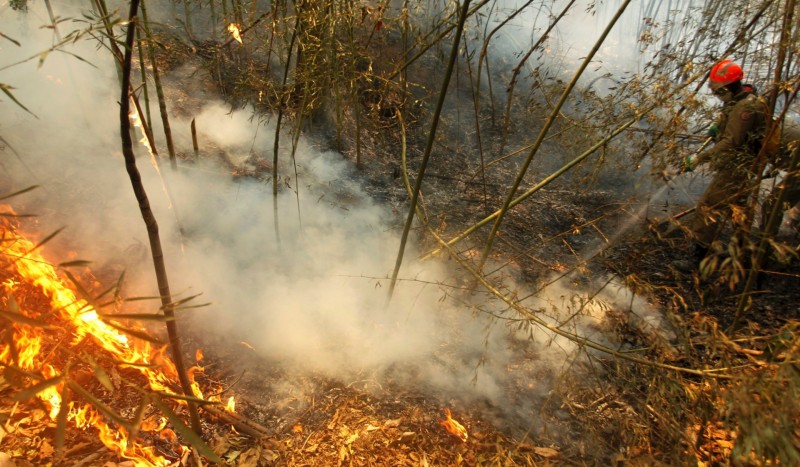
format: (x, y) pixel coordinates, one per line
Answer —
(598, 421)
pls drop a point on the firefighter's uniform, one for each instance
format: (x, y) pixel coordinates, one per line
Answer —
(742, 124)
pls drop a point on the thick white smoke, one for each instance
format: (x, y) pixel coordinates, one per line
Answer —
(311, 295)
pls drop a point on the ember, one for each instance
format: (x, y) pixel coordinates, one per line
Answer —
(453, 427)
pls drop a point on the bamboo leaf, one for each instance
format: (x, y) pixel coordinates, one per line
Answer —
(37, 388)
(133, 332)
(99, 405)
(79, 58)
(99, 373)
(10, 39)
(178, 303)
(73, 264)
(139, 299)
(82, 292)
(20, 318)
(136, 424)
(136, 365)
(7, 90)
(190, 307)
(114, 288)
(20, 372)
(16, 193)
(138, 317)
(190, 436)
(42, 57)
(47, 239)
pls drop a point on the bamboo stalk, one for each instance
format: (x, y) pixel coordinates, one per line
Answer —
(162, 102)
(213, 18)
(775, 217)
(276, 144)
(146, 119)
(244, 425)
(188, 14)
(558, 330)
(402, 67)
(428, 147)
(149, 219)
(548, 123)
(518, 70)
(194, 141)
(578, 159)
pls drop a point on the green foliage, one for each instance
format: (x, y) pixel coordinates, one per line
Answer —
(19, 5)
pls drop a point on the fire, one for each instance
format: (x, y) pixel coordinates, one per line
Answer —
(196, 370)
(234, 30)
(453, 427)
(83, 323)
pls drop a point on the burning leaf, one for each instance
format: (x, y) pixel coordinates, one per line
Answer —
(453, 427)
(168, 435)
(45, 450)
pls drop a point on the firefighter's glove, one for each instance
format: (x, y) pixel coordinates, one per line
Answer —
(713, 130)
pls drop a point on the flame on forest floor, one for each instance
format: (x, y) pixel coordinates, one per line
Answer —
(453, 427)
(29, 337)
(234, 30)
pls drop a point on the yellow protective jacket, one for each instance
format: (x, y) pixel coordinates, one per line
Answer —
(742, 124)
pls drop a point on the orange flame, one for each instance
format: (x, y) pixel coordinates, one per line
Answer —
(234, 30)
(453, 427)
(84, 323)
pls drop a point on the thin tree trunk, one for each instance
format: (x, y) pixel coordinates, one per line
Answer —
(428, 147)
(150, 220)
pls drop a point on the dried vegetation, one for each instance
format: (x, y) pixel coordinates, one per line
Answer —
(723, 390)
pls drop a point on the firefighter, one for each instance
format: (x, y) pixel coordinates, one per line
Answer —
(789, 140)
(740, 129)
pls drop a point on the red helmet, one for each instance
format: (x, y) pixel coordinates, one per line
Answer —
(724, 73)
